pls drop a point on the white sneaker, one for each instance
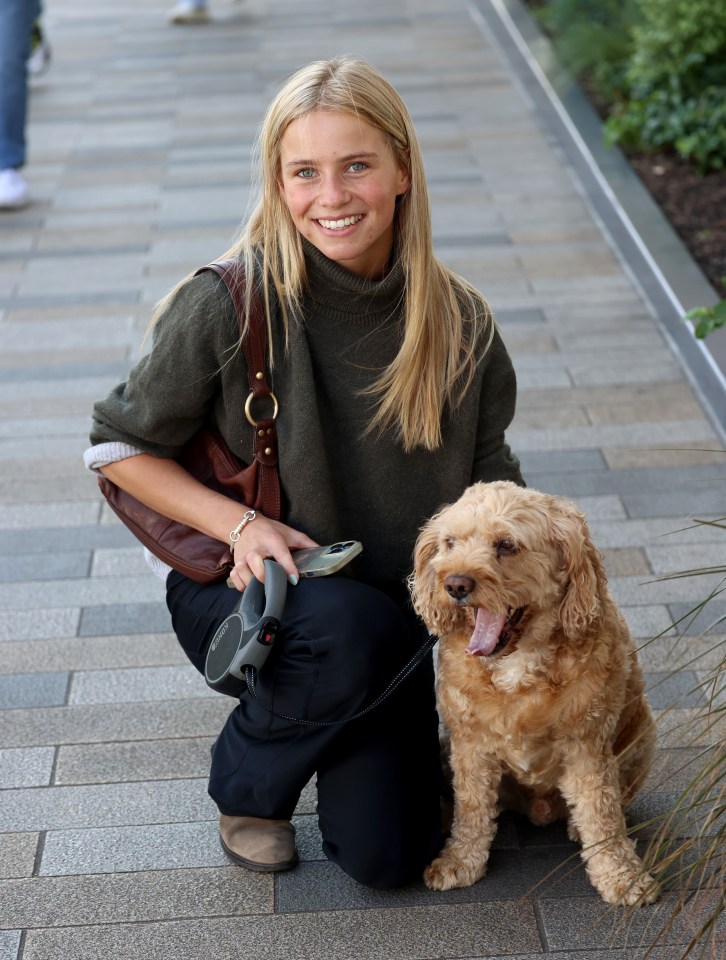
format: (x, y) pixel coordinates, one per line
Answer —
(39, 59)
(13, 190)
(187, 12)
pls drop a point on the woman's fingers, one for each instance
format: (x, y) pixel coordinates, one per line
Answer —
(268, 540)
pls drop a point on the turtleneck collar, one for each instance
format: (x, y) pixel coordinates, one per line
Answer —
(341, 293)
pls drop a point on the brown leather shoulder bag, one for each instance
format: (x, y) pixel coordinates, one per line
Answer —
(208, 458)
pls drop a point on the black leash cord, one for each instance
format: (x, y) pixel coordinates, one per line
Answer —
(418, 657)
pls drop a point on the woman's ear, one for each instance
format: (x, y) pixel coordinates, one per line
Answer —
(582, 565)
(404, 174)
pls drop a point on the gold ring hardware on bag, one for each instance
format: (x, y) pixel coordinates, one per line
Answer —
(248, 407)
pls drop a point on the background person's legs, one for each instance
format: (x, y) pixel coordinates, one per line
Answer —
(16, 17)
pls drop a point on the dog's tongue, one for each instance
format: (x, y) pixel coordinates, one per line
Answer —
(487, 628)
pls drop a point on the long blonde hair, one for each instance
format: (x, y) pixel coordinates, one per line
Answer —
(446, 318)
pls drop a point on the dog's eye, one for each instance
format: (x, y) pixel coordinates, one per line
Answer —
(506, 547)
(449, 543)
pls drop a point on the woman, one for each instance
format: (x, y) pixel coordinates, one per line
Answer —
(395, 391)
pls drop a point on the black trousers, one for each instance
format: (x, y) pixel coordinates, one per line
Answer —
(378, 777)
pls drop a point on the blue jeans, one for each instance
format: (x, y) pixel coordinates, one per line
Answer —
(16, 18)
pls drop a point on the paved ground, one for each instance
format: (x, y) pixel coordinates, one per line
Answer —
(139, 166)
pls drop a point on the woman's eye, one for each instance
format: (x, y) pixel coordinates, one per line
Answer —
(358, 166)
(307, 173)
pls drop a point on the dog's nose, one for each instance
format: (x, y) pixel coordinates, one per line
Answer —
(459, 586)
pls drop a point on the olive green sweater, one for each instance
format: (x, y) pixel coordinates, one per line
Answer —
(337, 482)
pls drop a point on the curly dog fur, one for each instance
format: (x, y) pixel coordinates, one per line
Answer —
(538, 682)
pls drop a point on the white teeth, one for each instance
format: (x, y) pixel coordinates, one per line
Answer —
(340, 224)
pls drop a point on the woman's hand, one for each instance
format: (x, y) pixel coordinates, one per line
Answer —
(262, 538)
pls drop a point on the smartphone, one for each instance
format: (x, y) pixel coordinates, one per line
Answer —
(321, 561)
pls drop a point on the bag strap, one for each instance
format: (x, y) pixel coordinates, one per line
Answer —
(254, 345)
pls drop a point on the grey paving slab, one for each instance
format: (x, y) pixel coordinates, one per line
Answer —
(168, 846)
(116, 618)
(135, 760)
(583, 924)
(96, 592)
(415, 933)
(536, 463)
(28, 625)
(709, 620)
(48, 689)
(127, 562)
(105, 722)
(54, 566)
(91, 653)
(9, 944)
(668, 690)
(633, 590)
(17, 854)
(610, 435)
(136, 897)
(649, 621)
(115, 369)
(679, 559)
(687, 487)
(646, 952)
(700, 503)
(112, 805)
(657, 531)
(134, 684)
(511, 876)
(39, 516)
(66, 539)
(26, 768)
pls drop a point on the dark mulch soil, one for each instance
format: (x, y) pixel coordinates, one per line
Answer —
(695, 206)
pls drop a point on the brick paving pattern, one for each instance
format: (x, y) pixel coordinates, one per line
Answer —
(140, 139)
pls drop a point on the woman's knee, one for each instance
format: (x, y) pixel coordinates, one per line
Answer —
(354, 629)
(387, 862)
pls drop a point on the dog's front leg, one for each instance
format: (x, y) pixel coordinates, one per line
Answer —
(591, 787)
(463, 859)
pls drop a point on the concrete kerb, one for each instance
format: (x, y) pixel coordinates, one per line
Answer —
(648, 248)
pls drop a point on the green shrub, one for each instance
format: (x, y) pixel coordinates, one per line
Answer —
(594, 38)
(675, 83)
(665, 118)
(708, 319)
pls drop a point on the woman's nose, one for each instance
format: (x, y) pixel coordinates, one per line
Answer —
(333, 191)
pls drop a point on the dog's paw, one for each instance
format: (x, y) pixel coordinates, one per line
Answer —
(628, 890)
(447, 873)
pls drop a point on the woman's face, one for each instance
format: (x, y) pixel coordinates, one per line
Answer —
(340, 179)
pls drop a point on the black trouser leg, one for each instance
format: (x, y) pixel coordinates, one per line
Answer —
(340, 644)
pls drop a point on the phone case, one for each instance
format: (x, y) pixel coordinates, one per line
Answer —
(321, 561)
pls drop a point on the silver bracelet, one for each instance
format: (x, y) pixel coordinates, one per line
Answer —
(235, 534)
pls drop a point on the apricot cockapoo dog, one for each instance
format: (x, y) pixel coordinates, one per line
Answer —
(538, 684)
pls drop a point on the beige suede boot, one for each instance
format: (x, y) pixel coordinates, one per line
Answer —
(264, 845)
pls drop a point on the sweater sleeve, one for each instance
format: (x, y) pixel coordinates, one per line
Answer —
(171, 390)
(493, 458)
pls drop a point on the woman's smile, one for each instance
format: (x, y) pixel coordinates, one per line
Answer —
(342, 223)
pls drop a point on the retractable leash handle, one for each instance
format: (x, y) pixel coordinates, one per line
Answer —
(245, 638)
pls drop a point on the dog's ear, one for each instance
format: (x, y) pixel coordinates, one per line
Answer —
(439, 618)
(582, 565)
(422, 581)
